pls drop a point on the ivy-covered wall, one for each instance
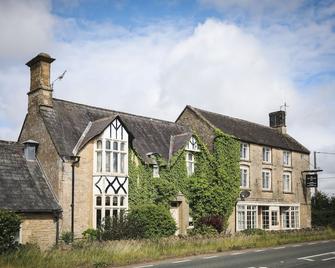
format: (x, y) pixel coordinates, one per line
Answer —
(212, 190)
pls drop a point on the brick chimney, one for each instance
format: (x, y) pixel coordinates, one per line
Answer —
(40, 93)
(278, 121)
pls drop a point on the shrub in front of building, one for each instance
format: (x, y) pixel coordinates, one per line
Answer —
(9, 230)
(144, 221)
(151, 221)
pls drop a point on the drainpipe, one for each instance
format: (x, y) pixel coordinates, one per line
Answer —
(74, 162)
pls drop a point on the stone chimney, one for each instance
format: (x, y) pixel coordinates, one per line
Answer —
(40, 93)
(278, 121)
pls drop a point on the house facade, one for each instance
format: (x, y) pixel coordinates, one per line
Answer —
(274, 196)
(85, 153)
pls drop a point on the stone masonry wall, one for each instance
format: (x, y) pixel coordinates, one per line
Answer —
(198, 126)
(38, 229)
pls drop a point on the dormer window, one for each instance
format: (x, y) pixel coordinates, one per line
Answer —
(155, 171)
(30, 148)
(192, 145)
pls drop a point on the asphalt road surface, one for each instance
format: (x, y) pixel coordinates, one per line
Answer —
(313, 254)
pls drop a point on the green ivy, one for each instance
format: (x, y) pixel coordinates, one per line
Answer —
(212, 190)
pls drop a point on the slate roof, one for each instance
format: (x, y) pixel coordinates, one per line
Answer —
(23, 187)
(251, 132)
(67, 121)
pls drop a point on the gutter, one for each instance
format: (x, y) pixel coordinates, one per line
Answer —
(75, 161)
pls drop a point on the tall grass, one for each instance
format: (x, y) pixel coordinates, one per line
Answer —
(116, 253)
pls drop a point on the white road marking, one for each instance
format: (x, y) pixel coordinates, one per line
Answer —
(259, 250)
(144, 266)
(326, 241)
(263, 267)
(187, 260)
(295, 246)
(210, 257)
(279, 248)
(313, 243)
(309, 258)
(328, 259)
(237, 253)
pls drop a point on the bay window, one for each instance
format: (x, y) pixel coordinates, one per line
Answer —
(290, 217)
(246, 217)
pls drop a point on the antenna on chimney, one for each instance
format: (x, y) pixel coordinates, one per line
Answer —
(58, 78)
(283, 106)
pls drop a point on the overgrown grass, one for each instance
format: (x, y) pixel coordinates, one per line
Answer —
(115, 253)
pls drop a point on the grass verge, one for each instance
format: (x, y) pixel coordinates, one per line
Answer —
(116, 253)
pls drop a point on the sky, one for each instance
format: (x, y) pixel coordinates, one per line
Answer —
(236, 57)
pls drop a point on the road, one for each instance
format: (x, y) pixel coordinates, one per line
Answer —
(313, 254)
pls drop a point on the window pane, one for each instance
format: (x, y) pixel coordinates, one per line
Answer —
(115, 146)
(115, 201)
(190, 157)
(99, 144)
(99, 161)
(108, 161)
(123, 146)
(98, 217)
(107, 213)
(115, 162)
(114, 212)
(122, 199)
(108, 145)
(122, 164)
(98, 201)
(107, 201)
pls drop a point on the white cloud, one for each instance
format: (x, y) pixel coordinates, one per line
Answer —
(26, 27)
(157, 69)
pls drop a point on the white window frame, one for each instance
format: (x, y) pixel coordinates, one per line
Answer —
(155, 171)
(267, 174)
(111, 207)
(191, 148)
(242, 172)
(244, 151)
(287, 182)
(104, 151)
(246, 216)
(190, 163)
(267, 155)
(287, 158)
(293, 217)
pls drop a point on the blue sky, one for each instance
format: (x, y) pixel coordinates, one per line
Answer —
(236, 57)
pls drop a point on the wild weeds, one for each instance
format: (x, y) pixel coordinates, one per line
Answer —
(123, 252)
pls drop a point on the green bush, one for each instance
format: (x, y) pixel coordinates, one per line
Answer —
(67, 237)
(151, 221)
(116, 228)
(9, 227)
(91, 234)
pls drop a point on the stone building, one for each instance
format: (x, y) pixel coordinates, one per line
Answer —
(25, 190)
(271, 165)
(84, 153)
